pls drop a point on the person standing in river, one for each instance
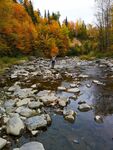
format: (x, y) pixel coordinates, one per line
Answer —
(53, 62)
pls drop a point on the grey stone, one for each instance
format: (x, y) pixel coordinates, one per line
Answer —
(9, 104)
(26, 112)
(32, 146)
(22, 102)
(14, 126)
(35, 104)
(84, 107)
(61, 88)
(3, 142)
(36, 122)
(73, 90)
(98, 119)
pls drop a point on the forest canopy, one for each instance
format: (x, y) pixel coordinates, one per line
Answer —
(24, 31)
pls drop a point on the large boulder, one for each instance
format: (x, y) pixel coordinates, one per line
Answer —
(32, 146)
(36, 122)
(3, 142)
(14, 126)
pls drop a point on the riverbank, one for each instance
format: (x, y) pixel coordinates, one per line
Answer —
(6, 62)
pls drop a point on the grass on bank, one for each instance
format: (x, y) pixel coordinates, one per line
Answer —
(6, 62)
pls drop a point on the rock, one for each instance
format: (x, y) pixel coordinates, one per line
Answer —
(35, 104)
(98, 119)
(69, 115)
(34, 132)
(36, 122)
(14, 88)
(62, 102)
(34, 86)
(73, 85)
(26, 112)
(3, 142)
(23, 93)
(83, 76)
(61, 88)
(23, 102)
(32, 146)
(84, 107)
(2, 110)
(5, 119)
(14, 115)
(76, 141)
(98, 82)
(9, 104)
(48, 98)
(81, 102)
(67, 112)
(14, 126)
(16, 149)
(74, 97)
(69, 118)
(73, 90)
(48, 118)
(59, 111)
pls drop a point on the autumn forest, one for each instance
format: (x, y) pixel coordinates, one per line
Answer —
(24, 31)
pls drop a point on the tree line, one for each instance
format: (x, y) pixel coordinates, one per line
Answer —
(24, 31)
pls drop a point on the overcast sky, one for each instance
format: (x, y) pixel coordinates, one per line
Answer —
(73, 9)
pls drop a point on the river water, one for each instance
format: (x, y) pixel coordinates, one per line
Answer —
(84, 133)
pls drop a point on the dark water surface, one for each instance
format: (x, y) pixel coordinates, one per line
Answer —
(84, 133)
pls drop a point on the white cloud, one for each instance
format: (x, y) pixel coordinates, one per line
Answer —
(73, 9)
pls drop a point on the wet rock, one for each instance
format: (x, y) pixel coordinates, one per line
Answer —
(62, 102)
(48, 118)
(14, 126)
(73, 85)
(26, 112)
(61, 88)
(3, 142)
(73, 90)
(98, 119)
(32, 146)
(81, 102)
(59, 111)
(34, 132)
(76, 141)
(35, 104)
(36, 122)
(69, 115)
(74, 97)
(84, 107)
(98, 82)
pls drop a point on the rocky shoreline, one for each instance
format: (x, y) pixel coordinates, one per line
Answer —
(30, 96)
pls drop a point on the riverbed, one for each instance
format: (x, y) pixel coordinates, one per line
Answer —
(94, 79)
